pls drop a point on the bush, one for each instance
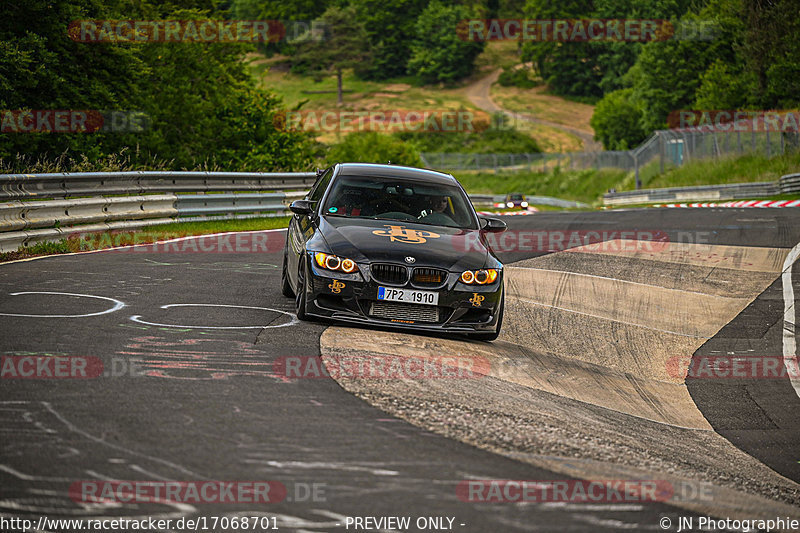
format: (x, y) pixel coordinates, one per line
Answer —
(617, 121)
(373, 147)
(517, 77)
(201, 103)
(490, 141)
(438, 53)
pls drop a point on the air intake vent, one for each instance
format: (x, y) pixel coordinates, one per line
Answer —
(392, 274)
(407, 312)
(429, 277)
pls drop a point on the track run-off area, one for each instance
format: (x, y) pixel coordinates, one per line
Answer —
(667, 360)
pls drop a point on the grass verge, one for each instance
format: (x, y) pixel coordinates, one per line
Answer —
(745, 169)
(110, 239)
(579, 185)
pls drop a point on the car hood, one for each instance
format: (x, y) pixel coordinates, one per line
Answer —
(453, 249)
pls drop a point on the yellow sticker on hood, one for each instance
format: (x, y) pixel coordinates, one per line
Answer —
(404, 234)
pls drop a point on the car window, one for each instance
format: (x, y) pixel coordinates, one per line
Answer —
(318, 190)
(399, 199)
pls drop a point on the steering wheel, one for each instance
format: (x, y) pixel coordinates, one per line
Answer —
(395, 203)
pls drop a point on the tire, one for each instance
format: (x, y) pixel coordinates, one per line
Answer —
(300, 291)
(496, 333)
(286, 287)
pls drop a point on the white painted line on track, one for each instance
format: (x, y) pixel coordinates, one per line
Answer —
(117, 305)
(790, 317)
(292, 322)
(141, 245)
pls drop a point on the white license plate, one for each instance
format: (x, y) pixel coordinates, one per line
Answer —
(409, 296)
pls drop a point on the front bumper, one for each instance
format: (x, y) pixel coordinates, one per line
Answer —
(348, 297)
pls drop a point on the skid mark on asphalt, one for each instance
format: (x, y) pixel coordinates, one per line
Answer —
(198, 359)
(50, 432)
(292, 318)
(583, 336)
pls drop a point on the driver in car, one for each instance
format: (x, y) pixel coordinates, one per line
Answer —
(439, 204)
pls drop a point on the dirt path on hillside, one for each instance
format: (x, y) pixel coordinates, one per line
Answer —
(479, 93)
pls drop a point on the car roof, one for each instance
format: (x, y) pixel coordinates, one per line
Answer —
(395, 171)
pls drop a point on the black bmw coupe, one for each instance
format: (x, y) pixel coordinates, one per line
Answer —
(393, 246)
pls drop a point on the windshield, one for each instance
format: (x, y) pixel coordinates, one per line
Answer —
(399, 199)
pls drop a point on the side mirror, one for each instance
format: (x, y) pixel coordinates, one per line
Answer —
(301, 207)
(493, 225)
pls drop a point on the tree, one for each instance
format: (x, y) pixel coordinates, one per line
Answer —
(344, 45)
(390, 26)
(373, 147)
(725, 87)
(771, 50)
(617, 121)
(438, 54)
(568, 68)
(202, 102)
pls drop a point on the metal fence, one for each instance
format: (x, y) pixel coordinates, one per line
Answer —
(65, 185)
(664, 148)
(46, 207)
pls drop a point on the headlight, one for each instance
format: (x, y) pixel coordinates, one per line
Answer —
(524, 204)
(332, 262)
(510, 204)
(479, 277)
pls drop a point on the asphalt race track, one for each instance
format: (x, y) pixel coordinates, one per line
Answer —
(190, 392)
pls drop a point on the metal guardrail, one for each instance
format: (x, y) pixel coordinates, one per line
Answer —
(789, 184)
(65, 185)
(47, 207)
(44, 214)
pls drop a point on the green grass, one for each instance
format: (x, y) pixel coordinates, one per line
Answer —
(710, 172)
(590, 185)
(100, 240)
(498, 54)
(578, 185)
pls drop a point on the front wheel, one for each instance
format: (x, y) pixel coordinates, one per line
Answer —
(496, 333)
(286, 287)
(300, 291)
